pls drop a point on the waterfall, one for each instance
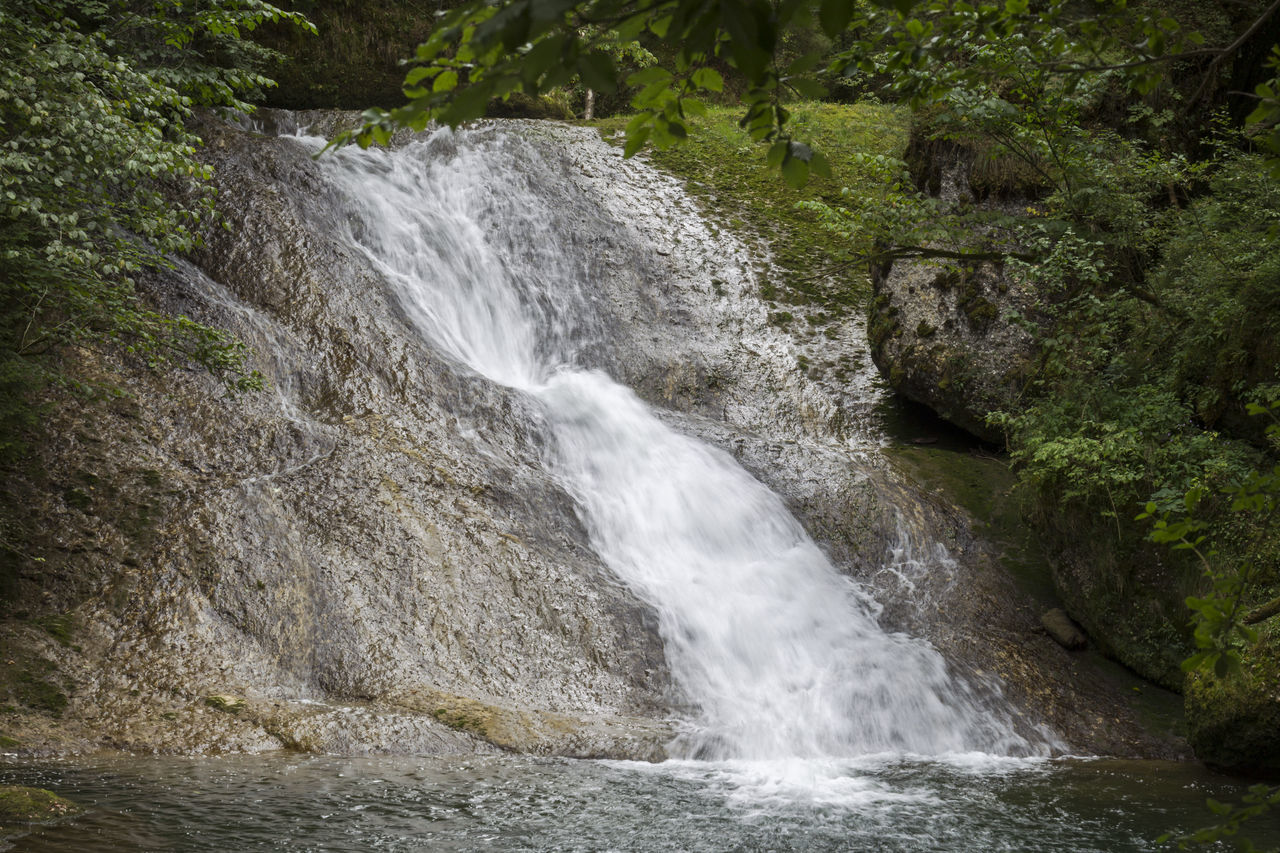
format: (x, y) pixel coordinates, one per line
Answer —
(780, 654)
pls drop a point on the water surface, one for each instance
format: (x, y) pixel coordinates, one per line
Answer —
(886, 803)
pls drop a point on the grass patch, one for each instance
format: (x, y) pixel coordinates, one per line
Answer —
(728, 174)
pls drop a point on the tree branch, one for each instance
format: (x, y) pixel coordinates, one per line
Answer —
(1230, 49)
(921, 252)
(1261, 614)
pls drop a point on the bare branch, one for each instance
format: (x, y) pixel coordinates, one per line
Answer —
(1230, 49)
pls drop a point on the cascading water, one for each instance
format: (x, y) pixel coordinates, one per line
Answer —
(781, 655)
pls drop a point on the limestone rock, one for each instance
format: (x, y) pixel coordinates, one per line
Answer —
(1063, 631)
(940, 330)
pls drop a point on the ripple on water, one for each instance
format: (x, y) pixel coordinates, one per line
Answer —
(882, 803)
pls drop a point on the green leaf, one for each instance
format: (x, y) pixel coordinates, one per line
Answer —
(808, 88)
(708, 79)
(834, 16)
(651, 94)
(1196, 661)
(466, 104)
(807, 62)
(777, 153)
(649, 76)
(819, 165)
(418, 74)
(445, 82)
(1217, 807)
(598, 71)
(795, 171)
(636, 141)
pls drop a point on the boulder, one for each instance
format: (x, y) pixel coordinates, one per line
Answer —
(1063, 631)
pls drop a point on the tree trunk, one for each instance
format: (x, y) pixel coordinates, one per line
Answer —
(589, 105)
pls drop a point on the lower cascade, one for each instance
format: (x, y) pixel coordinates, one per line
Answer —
(778, 654)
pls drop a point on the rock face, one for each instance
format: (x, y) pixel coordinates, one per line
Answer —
(938, 329)
(942, 336)
(935, 335)
(1234, 723)
(374, 524)
(370, 555)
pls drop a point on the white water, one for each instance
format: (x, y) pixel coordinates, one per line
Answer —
(782, 655)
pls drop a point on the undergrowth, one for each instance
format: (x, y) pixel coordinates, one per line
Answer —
(728, 174)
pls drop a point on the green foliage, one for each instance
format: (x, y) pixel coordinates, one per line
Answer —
(100, 182)
(1222, 628)
(929, 48)
(1155, 333)
(1264, 121)
(99, 178)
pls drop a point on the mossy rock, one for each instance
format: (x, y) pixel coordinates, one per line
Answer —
(1233, 723)
(981, 312)
(20, 806)
(30, 680)
(224, 702)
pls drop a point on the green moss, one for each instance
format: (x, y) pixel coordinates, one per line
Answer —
(36, 691)
(29, 680)
(60, 627)
(1127, 593)
(7, 742)
(925, 329)
(985, 487)
(221, 702)
(880, 329)
(461, 720)
(980, 312)
(946, 279)
(727, 172)
(20, 805)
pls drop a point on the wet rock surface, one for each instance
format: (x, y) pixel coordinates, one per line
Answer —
(370, 557)
(939, 329)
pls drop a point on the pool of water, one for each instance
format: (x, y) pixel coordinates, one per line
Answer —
(887, 803)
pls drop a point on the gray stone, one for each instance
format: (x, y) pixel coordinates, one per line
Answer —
(940, 331)
(1063, 631)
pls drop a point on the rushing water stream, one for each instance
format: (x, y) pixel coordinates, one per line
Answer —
(782, 656)
(810, 727)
